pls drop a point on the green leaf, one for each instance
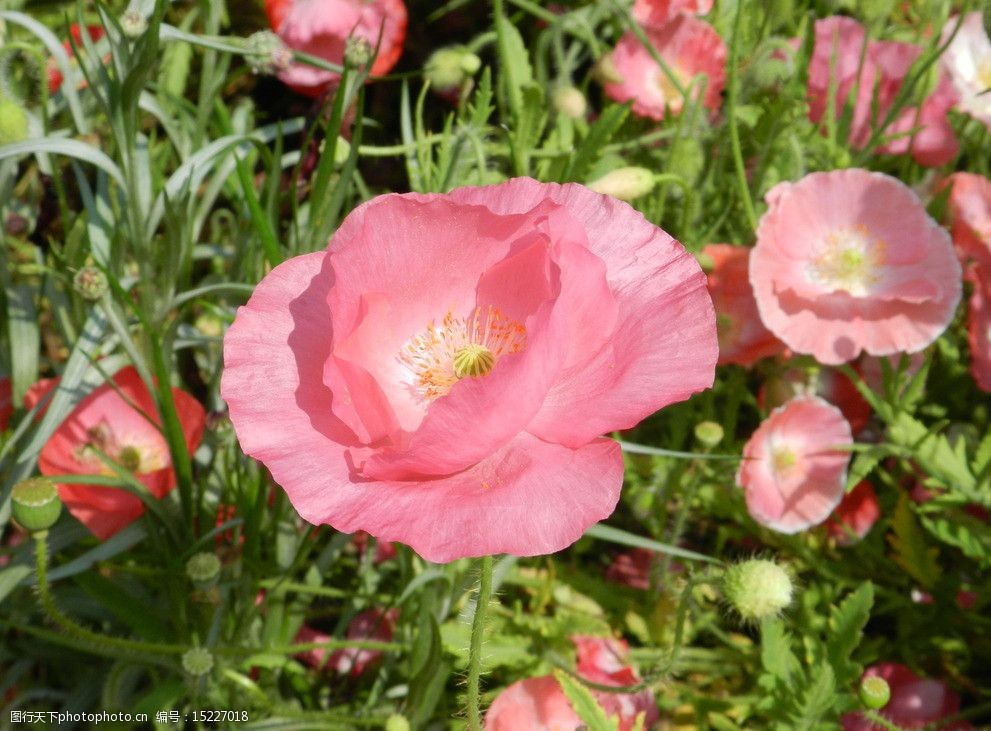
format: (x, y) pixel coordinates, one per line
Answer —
(960, 530)
(599, 135)
(514, 60)
(912, 552)
(818, 698)
(625, 538)
(863, 464)
(846, 625)
(428, 669)
(935, 455)
(775, 652)
(69, 148)
(584, 704)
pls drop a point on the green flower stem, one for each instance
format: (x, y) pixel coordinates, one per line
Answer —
(477, 634)
(878, 720)
(133, 648)
(732, 90)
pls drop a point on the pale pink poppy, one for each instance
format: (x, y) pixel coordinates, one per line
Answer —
(969, 207)
(689, 47)
(967, 60)
(119, 421)
(539, 704)
(855, 515)
(420, 378)
(979, 324)
(829, 383)
(743, 339)
(6, 402)
(793, 472)
(658, 12)
(849, 261)
(845, 59)
(915, 702)
(322, 27)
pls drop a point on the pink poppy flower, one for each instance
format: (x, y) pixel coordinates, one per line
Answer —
(792, 474)
(539, 704)
(967, 61)
(856, 514)
(420, 378)
(322, 27)
(6, 402)
(658, 12)
(849, 261)
(915, 702)
(37, 392)
(969, 207)
(128, 434)
(830, 384)
(743, 339)
(689, 46)
(844, 57)
(979, 325)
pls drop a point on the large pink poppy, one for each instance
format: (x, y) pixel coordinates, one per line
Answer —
(689, 47)
(120, 421)
(440, 375)
(321, 28)
(849, 261)
(793, 474)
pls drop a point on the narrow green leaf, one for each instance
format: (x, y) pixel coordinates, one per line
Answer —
(584, 704)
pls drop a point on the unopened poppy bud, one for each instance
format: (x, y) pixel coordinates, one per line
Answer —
(203, 569)
(35, 504)
(569, 101)
(448, 69)
(13, 122)
(626, 184)
(395, 722)
(757, 588)
(197, 662)
(874, 692)
(133, 24)
(357, 52)
(90, 283)
(709, 433)
(266, 53)
(605, 71)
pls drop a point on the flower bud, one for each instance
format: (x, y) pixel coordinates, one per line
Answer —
(35, 504)
(874, 692)
(757, 588)
(90, 283)
(203, 569)
(625, 183)
(357, 52)
(133, 23)
(709, 433)
(569, 101)
(605, 71)
(197, 661)
(266, 53)
(13, 122)
(449, 68)
(395, 722)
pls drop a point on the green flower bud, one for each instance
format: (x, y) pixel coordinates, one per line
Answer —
(874, 692)
(757, 588)
(133, 24)
(395, 722)
(569, 101)
(35, 504)
(197, 662)
(357, 52)
(203, 569)
(709, 433)
(90, 283)
(449, 68)
(266, 53)
(626, 183)
(605, 71)
(13, 122)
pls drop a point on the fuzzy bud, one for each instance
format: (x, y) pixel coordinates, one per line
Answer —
(197, 662)
(133, 24)
(203, 569)
(709, 433)
(266, 53)
(90, 283)
(395, 722)
(449, 68)
(626, 184)
(874, 692)
(757, 588)
(357, 52)
(13, 122)
(35, 504)
(569, 101)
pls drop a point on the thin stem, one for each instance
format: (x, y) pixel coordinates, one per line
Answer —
(477, 634)
(732, 87)
(878, 720)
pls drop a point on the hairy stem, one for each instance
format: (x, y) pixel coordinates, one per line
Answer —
(477, 635)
